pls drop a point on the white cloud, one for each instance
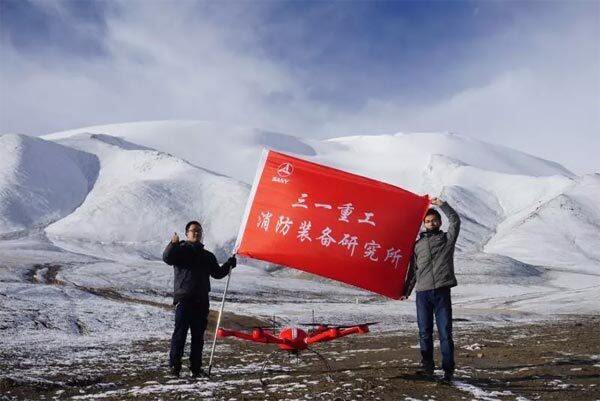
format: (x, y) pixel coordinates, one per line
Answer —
(163, 62)
(545, 101)
(166, 62)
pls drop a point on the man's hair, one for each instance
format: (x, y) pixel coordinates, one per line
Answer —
(191, 223)
(433, 212)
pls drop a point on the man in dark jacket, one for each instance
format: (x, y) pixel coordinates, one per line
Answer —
(192, 267)
(431, 271)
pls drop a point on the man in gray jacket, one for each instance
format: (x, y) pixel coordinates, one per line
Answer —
(431, 271)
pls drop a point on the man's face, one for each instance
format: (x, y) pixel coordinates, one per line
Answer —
(432, 222)
(194, 233)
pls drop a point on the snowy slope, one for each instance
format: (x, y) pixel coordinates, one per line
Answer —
(40, 181)
(520, 213)
(490, 185)
(563, 231)
(486, 198)
(142, 196)
(398, 159)
(401, 159)
(229, 150)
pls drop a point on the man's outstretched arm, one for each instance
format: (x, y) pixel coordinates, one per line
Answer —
(219, 271)
(453, 219)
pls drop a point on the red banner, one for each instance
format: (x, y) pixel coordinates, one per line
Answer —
(332, 223)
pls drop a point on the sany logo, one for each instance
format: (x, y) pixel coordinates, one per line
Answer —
(284, 170)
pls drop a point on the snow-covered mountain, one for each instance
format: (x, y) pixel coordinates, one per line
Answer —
(229, 150)
(398, 159)
(41, 181)
(141, 196)
(124, 188)
(562, 231)
(509, 200)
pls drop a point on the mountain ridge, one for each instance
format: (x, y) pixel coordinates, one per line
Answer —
(144, 173)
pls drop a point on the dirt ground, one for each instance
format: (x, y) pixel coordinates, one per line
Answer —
(558, 360)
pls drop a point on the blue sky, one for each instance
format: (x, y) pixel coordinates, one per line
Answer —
(522, 74)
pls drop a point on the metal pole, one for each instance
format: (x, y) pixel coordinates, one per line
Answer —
(212, 352)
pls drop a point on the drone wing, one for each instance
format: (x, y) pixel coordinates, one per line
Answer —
(258, 335)
(328, 334)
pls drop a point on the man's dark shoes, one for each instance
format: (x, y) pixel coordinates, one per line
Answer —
(425, 373)
(174, 371)
(200, 374)
(448, 376)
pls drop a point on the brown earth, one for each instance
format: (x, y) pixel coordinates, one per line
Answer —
(558, 360)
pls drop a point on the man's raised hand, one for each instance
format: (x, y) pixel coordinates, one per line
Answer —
(232, 261)
(175, 239)
(436, 201)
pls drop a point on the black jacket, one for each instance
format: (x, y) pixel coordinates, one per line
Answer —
(432, 264)
(193, 265)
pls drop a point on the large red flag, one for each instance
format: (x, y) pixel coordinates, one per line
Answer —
(331, 223)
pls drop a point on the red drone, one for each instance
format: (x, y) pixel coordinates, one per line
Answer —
(294, 340)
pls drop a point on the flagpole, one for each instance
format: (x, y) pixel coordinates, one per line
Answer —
(261, 166)
(212, 352)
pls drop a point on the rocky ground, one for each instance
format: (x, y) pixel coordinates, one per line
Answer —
(558, 360)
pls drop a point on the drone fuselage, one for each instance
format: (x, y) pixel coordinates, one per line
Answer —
(293, 339)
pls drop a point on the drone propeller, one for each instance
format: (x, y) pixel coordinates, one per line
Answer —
(338, 326)
(360, 324)
(278, 321)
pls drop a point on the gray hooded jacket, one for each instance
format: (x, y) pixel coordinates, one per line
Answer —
(432, 263)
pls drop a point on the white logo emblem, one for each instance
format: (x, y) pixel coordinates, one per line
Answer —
(285, 170)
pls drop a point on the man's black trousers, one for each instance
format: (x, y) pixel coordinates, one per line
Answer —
(191, 315)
